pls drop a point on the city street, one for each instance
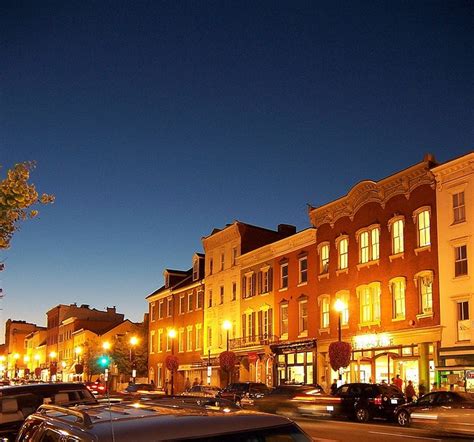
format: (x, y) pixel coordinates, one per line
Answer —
(339, 430)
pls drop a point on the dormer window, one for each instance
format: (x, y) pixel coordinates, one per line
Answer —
(196, 270)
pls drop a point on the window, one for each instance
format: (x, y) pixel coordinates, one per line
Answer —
(464, 326)
(210, 299)
(284, 275)
(152, 311)
(459, 209)
(190, 302)
(325, 307)
(369, 244)
(168, 342)
(324, 258)
(303, 270)
(189, 338)
(182, 305)
(195, 270)
(343, 295)
(161, 309)
(248, 325)
(284, 319)
(209, 336)
(200, 299)
(460, 260)
(265, 323)
(234, 291)
(234, 256)
(342, 245)
(198, 341)
(211, 266)
(160, 340)
(248, 285)
(265, 280)
(396, 227)
(369, 296)
(153, 342)
(221, 294)
(181, 340)
(398, 288)
(222, 260)
(303, 316)
(169, 305)
(424, 283)
(422, 218)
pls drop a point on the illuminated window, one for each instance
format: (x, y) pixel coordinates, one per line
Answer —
(369, 298)
(459, 209)
(189, 338)
(396, 226)
(342, 245)
(248, 285)
(424, 283)
(284, 319)
(421, 217)
(398, 289)
(265, 323)
(181, 340)
(198, 341)
(266, 280)
(369, 244)
(303, 316)
(464, 325)
(325, 308)
(284, 275)
(460, 260)
(324, 258)
(248, 326)
(303, 270)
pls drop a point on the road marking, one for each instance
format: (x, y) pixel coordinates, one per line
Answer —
(405, 435)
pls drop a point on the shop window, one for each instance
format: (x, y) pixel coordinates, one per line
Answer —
(303, 316)
(397, 289)
(284, 320)
(342, 245)
(343, 295)
(396, 227)
(303, 270)
(369, 298)
(424, 283)
(460, 260)
(323, 257)
(459, 209)
(369, 244)
(464, 325)
(422, 219)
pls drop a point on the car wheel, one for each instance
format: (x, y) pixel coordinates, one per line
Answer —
(403, 418)
(362, 415)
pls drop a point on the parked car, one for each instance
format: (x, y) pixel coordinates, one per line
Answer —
(150, 422)
(244, 393)
(432, 402)
(97, 388)
(202, 391)
(141, 389)
(279, 400)
(357, 400)
(19, 401)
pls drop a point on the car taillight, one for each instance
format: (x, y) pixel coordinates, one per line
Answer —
(101, 388)
(378, 400)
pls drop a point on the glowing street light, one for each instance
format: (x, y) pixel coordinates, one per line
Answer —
(339, 306)
(133, 342)
(106, 345)
(172, 335)
(227, 325)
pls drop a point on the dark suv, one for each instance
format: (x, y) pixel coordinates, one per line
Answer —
(19, 401)
(358, 400)
(244, 393)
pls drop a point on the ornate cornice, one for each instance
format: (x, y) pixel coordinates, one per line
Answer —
(401, 183)
(222, 237)
(454, 170)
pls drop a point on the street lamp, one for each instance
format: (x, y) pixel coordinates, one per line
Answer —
(52, 364)
(227, 325)
(133, 343)
(172, 335)
(339, 306)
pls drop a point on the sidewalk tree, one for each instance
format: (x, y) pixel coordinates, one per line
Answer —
(18, 199)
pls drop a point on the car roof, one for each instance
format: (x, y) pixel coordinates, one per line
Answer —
(39, 388)
(132, 421)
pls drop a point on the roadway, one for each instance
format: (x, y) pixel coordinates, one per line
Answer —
(326, 430)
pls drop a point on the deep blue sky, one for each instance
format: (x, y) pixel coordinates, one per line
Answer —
(154, 122)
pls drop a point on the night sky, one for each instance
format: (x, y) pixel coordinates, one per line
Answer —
(154, 122)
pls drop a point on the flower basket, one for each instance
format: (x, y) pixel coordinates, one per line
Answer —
(339, 354)
(172, 363)
(227, 360)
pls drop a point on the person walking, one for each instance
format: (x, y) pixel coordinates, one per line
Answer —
(333, 387)
(410, 392)
(398, 381)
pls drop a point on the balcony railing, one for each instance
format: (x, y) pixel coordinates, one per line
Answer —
(252, 341)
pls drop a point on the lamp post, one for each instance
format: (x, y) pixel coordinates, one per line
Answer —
(172, 335)
(106, 346)
(227, 325)
(16, 356)
(37, 359)
(339, 306)
(133, 343)
(78, 368)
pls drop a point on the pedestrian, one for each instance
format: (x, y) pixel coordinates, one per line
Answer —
(333, 387)
(195, 382)
(187, 385)
(434, 387)
(410, 391)
(421, 389)
(398, 382)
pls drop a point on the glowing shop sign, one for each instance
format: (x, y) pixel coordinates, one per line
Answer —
(371, 341)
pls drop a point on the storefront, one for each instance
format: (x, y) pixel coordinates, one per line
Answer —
(456, 368)
(295, 362)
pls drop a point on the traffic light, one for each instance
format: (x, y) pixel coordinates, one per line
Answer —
(104, 361)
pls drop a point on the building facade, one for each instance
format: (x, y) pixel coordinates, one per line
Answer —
(455, 202)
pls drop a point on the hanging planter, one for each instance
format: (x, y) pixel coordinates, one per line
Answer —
(339, 354)
(227, 360)
(172, 363)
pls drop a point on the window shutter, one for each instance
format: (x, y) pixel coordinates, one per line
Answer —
(254, 280)
(244, 322)
(260, 324)
(253, 324)
(270, 321)
(259, 282)
(270, 279)
(244, 281)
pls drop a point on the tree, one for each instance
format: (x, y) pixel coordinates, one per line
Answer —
(17, 199)
(91, 354)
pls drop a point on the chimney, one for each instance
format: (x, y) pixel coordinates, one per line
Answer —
(286, 229)
(111, 310)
